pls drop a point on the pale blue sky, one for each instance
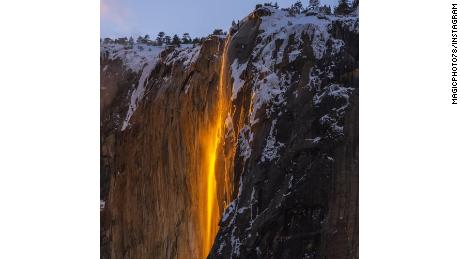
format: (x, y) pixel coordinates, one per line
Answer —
(197, 17)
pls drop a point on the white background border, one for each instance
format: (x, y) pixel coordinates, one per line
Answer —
(409, 132)
(49, 131)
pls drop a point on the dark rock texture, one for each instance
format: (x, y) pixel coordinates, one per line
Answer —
(297, 193)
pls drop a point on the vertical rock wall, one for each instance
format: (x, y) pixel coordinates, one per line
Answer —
(295, 116)
(157, 191)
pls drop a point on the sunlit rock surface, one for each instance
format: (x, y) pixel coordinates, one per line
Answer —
(284, 94)
(155, 202)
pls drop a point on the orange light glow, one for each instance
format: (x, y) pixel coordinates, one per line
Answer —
(212, 148)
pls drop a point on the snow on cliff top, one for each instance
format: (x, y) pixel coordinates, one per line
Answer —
(280, 25)
(139, 58)
(269, 86)
(145, 61)
(187, 54)
(282, 35)
(142, 58)
(135, 57)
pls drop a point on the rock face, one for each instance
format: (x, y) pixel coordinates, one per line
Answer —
(295, 96)
(270, 112)
(154, 203)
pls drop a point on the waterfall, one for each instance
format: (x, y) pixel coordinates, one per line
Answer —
(212, 139)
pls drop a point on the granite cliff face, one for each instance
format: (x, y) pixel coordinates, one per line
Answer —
(244, 146)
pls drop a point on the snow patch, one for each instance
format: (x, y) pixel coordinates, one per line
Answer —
(337, 46)
(134, 57)
(236, 243)
(293, 55)
(244, 140)
(221, 247)
(335, 91)
(236, 71)
(290, 182)
(230, 209)
(186, 55)
(138, 93)
(272, 146)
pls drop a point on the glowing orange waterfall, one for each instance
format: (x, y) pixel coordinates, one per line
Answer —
(212, 141)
